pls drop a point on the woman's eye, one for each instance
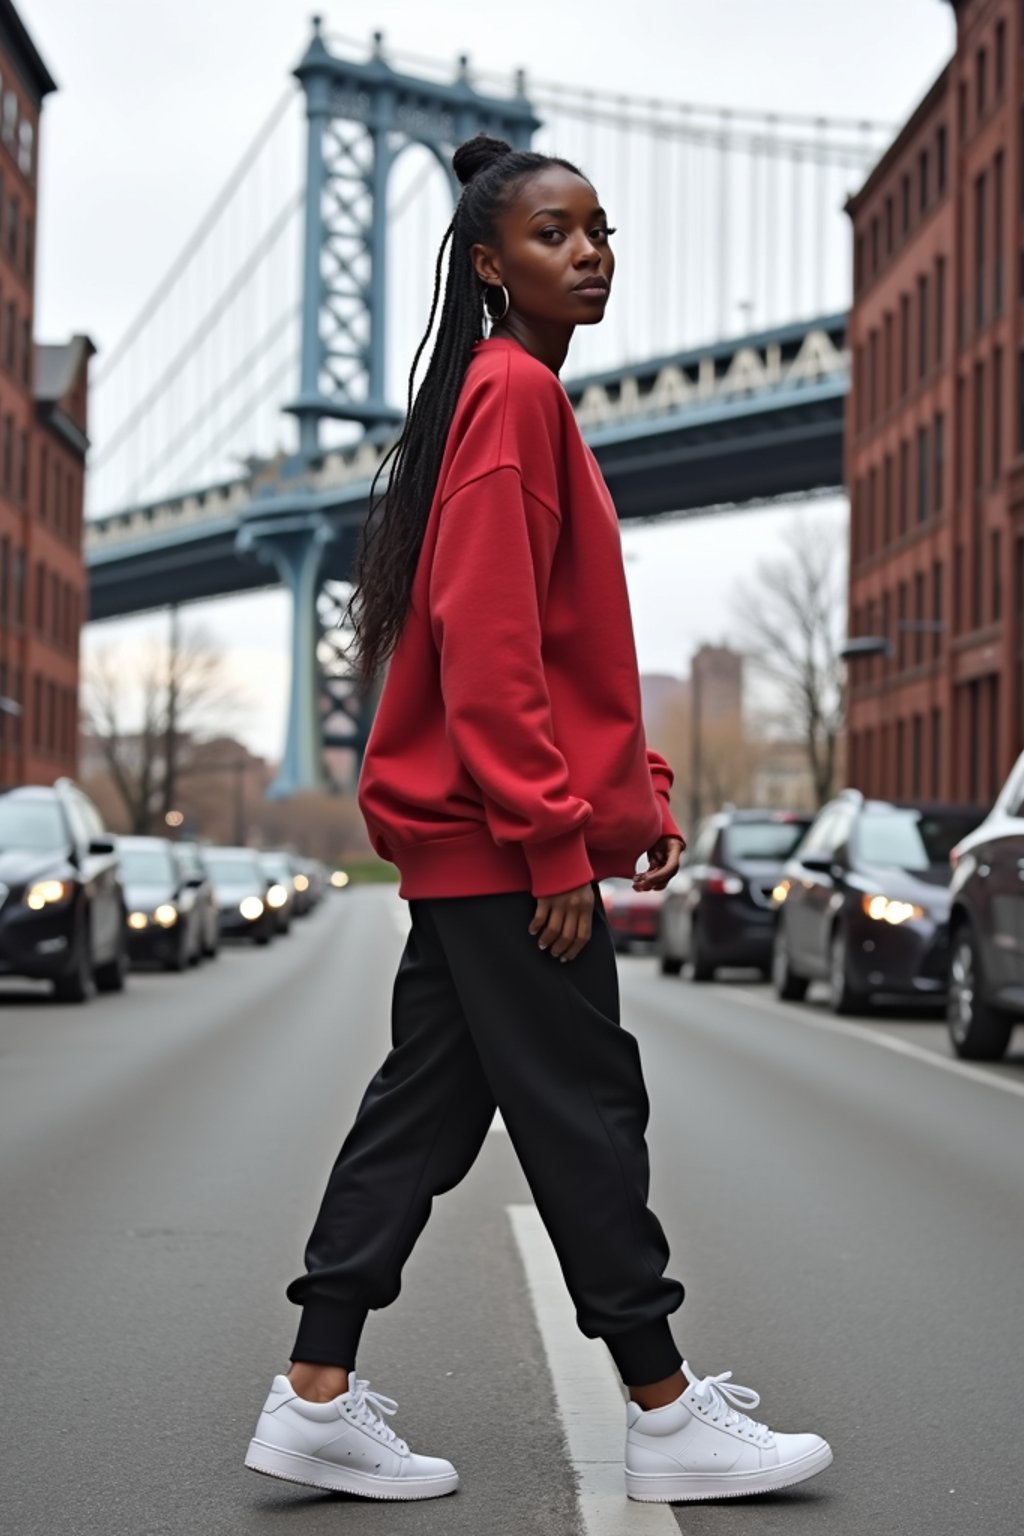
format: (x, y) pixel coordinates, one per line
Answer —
(602, 233)
(560, 233)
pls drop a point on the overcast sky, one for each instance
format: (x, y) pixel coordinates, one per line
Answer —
(157, 103)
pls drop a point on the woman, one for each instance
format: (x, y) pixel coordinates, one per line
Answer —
(506, 774)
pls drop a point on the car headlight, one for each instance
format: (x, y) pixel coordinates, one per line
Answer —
(882, 909)
(339, 879)
(781, 891)
(277, 896)
(251, 908)
(45, 893)
(301, 883)
(138, 920)
(166, 914)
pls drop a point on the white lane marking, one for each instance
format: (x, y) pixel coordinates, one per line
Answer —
(873, 1037)
(588, 1394)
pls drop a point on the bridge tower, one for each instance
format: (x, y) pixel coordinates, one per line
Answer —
(361, 116)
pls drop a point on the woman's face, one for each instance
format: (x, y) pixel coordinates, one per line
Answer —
(552, 254)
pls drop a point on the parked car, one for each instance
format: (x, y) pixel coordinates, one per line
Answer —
(61, 903)
(718, 909)
(986, 927)
(864, 901)
(165, 921)
(632, 915)
(280, 895)
(190, 855)
(241, 887)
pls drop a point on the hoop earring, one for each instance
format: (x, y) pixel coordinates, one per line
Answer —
(488, 316)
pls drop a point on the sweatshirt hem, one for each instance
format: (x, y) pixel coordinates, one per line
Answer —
(475, 865)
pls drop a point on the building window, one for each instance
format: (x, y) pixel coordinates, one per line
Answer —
(937, 608)
(23, 467)
(29, 250)
(981, 81)
(874, 247)
(904, 496)
(978, 576)
(997, 198)
(917, 757)
(901, 748)
(1000, 57)
(890, 223)
(958, 588)
(940, 309)
(13, 229)
(979, 425)
(26, 353)
(922, 181)
(940, 160)
(939, 460)
(901, 626)
(887, 362)
(997, 574)
(904, 344)
(25, 139)
(10, 128)
(936, 753)
(905, 203)
(922, 327)
(979, 249)
(872, 406)
(997, 415)
(923, 477)
(10, 335)
(959, 427)
(887, 499)
(869, 532)
(919, 618)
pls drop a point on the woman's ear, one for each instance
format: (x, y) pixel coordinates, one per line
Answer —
(486, 264)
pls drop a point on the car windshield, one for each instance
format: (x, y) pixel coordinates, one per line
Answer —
(770, 839)
(35, 825)
(147, 866)
(233, 871)
(276, 866)
(904, 838)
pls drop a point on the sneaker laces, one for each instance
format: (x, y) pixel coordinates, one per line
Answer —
(366, 1408)
(723, 1401)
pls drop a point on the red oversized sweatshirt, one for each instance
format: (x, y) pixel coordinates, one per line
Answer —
(508, 749)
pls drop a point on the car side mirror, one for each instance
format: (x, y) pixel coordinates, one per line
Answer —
(102, 845)
(819, 863)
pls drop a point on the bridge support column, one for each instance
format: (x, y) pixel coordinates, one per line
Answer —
(294, 545)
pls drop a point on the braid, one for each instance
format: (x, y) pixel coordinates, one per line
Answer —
(392, 535)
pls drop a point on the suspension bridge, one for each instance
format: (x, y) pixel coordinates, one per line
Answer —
(240, 419)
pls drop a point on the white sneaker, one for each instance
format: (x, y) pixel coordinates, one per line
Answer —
(343, 1445)
(703, 1446)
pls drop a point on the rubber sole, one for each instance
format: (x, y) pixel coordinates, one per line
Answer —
(689, 1487)
(294, 1467)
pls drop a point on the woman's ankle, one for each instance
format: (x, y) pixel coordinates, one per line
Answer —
(318, 1383)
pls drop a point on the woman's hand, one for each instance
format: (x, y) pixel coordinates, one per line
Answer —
(663, 861)
(563, 922)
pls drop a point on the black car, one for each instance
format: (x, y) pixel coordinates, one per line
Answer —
(986, 929)
(864, 902)
(61, 902)
(164, 920)
(280, 897)
(241, 887)
(718, 909)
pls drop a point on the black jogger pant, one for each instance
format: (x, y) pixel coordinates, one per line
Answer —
(481, 1016)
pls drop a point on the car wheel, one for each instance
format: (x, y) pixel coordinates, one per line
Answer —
(701, 968)
(790, 987)
(668, 965)
(79, 985)
(977, 1031)
(843, 996)
(263, 934)
(111, 977)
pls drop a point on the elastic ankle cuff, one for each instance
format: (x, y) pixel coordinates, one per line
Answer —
(646, 1354)
(329, 1333)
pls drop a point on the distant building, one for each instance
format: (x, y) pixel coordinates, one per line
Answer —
(43, 424)
(935, 431)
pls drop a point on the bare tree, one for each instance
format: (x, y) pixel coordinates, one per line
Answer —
(792, 622)
(143, 707)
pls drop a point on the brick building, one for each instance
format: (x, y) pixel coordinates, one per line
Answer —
(42, 457)
(935, 431)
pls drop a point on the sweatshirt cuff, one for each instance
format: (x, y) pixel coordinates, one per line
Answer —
(558, 864)
(669, 827)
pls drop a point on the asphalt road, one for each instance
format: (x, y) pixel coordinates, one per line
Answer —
(847, 1218)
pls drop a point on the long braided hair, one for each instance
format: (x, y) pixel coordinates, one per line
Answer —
(391, 538)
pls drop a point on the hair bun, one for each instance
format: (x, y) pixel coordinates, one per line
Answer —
(476, 155)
